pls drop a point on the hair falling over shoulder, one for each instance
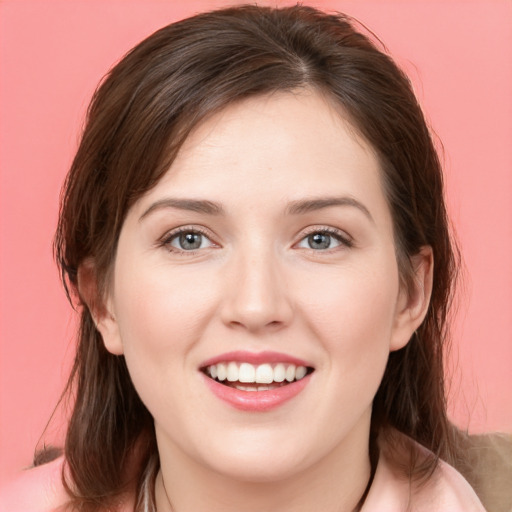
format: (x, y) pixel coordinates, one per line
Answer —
(138, 119)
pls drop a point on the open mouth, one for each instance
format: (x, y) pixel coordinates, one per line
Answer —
(262, 377)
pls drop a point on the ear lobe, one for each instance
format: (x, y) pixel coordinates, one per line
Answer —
(413, 302)
(99, 307)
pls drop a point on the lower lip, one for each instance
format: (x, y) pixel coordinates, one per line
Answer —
(256, 401)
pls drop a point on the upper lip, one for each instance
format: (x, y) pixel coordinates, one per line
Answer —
(255, 358)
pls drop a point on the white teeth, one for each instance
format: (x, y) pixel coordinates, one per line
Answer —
(290, 373)
(221, 372)
(300, 372)
(246, 388)
(279, 373)
(247, 373)
(261, 374)
(264, 374)
(232, 373)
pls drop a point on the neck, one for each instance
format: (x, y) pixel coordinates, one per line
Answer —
(335, 483)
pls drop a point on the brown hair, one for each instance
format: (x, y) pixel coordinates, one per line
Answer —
(137, 121)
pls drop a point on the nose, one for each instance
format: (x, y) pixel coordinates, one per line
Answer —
(256, 297)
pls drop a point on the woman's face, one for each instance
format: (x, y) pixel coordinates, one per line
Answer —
(268, 246)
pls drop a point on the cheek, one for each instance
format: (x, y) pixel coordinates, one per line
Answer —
(350, 318)
(353, 317)
(160, 311)
(355, 303)
(161, 316)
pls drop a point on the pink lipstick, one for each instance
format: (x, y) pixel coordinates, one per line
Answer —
(255, 358)
(256, 381)
(257, 401)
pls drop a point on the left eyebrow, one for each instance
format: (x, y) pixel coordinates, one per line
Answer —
(309, 205)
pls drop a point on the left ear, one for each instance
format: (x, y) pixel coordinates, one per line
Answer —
(413, 301)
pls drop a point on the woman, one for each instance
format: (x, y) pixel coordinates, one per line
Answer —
(254, 228)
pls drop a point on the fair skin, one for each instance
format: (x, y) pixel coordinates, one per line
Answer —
(292, 253)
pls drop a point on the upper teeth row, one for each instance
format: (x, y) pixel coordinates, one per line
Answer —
(261, 374)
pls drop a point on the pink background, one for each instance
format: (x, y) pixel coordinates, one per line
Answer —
(459, 57)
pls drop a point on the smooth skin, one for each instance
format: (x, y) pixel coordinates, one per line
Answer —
(270, 231)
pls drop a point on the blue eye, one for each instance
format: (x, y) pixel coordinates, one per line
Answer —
(319, 241)
(323, 240)
(188, 240)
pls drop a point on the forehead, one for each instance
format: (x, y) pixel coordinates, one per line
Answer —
(279, 147)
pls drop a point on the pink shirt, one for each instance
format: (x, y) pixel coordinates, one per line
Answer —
(40, 490)
(445, 491)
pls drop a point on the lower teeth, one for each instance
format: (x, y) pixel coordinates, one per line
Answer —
(254, 387)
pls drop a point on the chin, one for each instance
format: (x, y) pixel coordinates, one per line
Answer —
(257, 468)
(260, 458)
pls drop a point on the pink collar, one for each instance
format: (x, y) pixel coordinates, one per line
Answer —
(40, 490)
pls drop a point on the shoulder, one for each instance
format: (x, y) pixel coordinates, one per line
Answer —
(37, 489)
(446, 490)
(40, 489)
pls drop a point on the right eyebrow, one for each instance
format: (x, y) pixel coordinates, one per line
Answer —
(192, 205)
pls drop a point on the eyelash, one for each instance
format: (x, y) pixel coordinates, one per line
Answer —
(338, 235)
(169, 237)
(166, 240)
